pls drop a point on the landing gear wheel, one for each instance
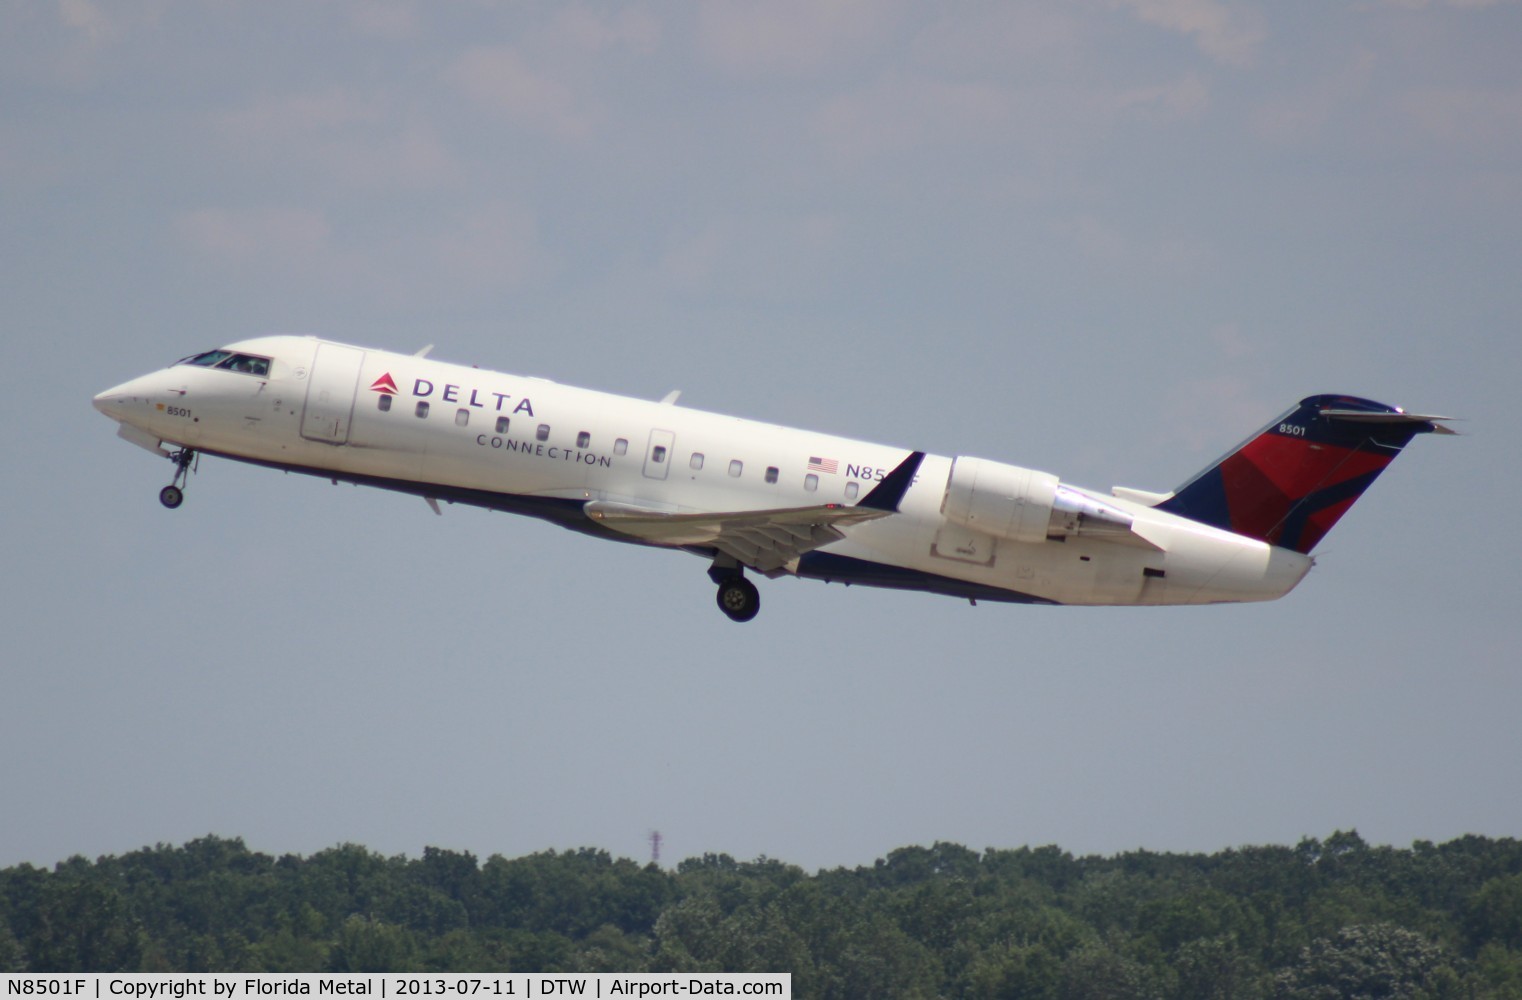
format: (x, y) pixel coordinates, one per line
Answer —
(739, 598)
(173, 495)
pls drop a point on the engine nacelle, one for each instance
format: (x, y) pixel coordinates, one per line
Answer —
(1024, 505)
(1001, 500)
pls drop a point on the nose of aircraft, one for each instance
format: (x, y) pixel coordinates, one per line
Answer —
(113, 401)
(109, 401)
(120, 402)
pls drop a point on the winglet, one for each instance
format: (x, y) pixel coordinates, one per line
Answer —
(889, 493)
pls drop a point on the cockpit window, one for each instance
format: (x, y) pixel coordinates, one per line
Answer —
(246, 363)
(249, 364)
(206, 359)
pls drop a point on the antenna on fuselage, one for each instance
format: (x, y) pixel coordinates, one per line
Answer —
(422, 352)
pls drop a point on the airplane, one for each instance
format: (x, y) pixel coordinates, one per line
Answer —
(773, 500)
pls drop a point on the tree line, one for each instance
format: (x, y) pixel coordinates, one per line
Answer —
(1323, 919)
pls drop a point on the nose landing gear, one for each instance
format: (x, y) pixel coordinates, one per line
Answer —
(173, 495)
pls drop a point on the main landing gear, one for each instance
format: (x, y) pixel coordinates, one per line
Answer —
(738, 597)
(173, 495)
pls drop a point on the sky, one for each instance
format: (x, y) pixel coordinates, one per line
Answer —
(1106, 239)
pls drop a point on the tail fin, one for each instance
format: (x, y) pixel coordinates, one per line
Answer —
(1288, 484)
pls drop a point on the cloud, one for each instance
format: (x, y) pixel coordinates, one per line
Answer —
(1229, 35)
(384, 20)
(1103, 245)
(277, 119)
(900, 112)
(72, 42)
(1231, 342)
(500, 79)
(496, 245)
(1310, 106)
(1027, 38)
(579, 29)
(544, 81)
(1185, 98)
(360, 141)
(1471, 115)
(90, 19)
(487, 246)
(256, 234)
(1199, 410)
(790, 37)
(1463, 4)
(753, 255)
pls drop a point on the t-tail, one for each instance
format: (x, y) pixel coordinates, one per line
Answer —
(1288, 484)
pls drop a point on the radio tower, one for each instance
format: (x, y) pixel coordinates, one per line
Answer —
(655, 847)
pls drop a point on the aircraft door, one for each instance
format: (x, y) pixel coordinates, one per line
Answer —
(658, 454)
(330, 393)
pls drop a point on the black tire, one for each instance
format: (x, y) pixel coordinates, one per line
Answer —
(739, 599)
(171, 496)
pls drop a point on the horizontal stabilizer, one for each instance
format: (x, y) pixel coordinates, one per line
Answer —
(1144, 497)
(1397, 418)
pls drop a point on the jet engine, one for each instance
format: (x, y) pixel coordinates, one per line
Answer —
(1024, 505)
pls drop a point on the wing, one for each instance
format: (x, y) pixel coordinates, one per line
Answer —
(765, 540)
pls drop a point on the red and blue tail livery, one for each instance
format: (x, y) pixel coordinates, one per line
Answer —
(1290, 483)
(757, 498)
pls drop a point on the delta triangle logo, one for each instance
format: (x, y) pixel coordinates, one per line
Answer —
(385, 384)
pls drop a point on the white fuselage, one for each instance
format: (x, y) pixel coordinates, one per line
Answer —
(456, 433)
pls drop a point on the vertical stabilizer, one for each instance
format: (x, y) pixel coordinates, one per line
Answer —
(1288, 484)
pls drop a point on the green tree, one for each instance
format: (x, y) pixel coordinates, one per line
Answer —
(609, 949)
(1216, 969)
(876, 959)
(366, 945)
(1097, 971)
(1375, 962)
(82, 927)
(298, 943)
(1498, 970)
(12, 958)
(1494, 914)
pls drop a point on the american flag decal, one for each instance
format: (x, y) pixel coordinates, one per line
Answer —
(824, 465)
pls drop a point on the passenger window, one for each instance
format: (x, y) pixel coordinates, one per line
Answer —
(461, 417)
(852, 489)
(501, 425)
(383, 403)
(697, 460)
(811, 482)
(736, 467)
(543, 433)
(621, 446)
(658, 453)
(422, 408)
(583, 439)
(771, 473)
